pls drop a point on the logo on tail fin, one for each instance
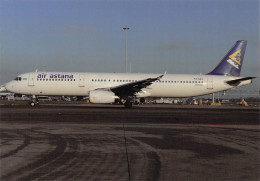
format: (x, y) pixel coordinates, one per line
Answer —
(235, 59)
(236, 56)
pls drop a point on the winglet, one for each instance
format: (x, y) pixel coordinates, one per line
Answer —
(159, 78)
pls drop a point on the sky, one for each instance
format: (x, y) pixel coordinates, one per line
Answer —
(177, 36)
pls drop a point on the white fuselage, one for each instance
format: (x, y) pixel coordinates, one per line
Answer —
(80, 84)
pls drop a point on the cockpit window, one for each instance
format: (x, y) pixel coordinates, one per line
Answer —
(18, 78)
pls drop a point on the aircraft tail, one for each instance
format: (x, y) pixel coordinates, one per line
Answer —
(232, 62)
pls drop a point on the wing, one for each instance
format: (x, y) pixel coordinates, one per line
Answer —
(130, 89)
(237, 81)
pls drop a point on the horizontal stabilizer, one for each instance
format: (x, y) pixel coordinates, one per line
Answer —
(236, 82)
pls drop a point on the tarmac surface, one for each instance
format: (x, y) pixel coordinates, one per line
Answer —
(148, 142)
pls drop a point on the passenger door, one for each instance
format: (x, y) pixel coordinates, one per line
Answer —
(210, 83)
(31, 79)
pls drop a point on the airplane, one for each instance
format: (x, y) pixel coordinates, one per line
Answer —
(124, 87)
(2, 88)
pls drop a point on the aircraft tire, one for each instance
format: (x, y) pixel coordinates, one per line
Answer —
(32, 104)
(128, 104)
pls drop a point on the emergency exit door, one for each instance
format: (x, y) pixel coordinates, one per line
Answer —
(81, 80)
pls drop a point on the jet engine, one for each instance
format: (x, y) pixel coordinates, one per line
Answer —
(102, 96)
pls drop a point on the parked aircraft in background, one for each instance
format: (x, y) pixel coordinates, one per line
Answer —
(124, 87)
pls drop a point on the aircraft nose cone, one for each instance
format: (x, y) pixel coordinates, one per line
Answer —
(9, 86)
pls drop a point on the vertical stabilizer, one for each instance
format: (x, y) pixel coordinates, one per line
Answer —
(232, 62)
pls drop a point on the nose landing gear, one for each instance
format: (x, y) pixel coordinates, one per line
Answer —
(34, 101)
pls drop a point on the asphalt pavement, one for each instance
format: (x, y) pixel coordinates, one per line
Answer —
(149, 142)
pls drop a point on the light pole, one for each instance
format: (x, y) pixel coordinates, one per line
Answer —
(126, 28)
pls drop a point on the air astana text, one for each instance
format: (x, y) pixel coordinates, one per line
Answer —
(54, 76)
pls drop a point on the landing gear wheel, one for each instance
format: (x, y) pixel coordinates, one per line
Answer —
(128, 104)
(32, 104)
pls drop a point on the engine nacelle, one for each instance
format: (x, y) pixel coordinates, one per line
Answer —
(102, 96)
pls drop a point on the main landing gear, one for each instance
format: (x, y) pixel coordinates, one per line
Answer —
(34, 101)
(128, 104)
